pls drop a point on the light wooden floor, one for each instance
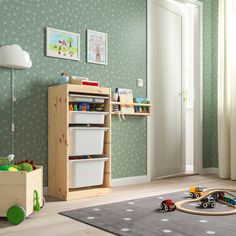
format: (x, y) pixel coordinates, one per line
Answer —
(49, 222)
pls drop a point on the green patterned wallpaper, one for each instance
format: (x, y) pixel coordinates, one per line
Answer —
(210, 36)
(23, 22)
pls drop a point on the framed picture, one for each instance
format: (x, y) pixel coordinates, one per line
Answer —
(63, 44)
(97, 49)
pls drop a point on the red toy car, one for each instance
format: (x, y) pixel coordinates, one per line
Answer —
(168, 205)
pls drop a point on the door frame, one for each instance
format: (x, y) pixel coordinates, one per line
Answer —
(198, 95)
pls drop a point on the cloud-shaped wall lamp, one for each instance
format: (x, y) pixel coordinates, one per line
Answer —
(12, 56)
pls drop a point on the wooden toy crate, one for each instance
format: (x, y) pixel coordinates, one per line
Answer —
(17, 188)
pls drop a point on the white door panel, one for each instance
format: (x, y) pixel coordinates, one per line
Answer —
(166, 65)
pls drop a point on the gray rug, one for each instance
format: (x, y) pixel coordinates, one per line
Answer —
(143, 217)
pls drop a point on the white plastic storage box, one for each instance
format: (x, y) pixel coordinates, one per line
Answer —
(87, 98)
(98, 100)
(79, 98)
(87, 117)
(86, 140)
(86, 172)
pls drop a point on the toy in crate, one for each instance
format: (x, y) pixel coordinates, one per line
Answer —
(83, 106)
(21, 189)
(6, 160)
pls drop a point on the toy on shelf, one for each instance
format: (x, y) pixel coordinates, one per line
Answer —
(75, 107)
(207, 202)
(167, 205)
(126, 100)
(116, 108)
(115, 97)
(83, 81)
(196, 192)
(83, 106)
(97, 107)
(123, 103)
(141, 109)
(90, 83)
(65, 78)
(70, 107)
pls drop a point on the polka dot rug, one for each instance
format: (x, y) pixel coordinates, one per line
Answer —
(143, 216)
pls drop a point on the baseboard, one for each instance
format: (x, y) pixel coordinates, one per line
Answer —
(209, 171)
(182, 174)
(130, 180)
(119, 182)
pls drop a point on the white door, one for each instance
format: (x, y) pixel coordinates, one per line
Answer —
(166, 60)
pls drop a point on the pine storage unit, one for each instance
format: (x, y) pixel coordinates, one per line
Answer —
(78, 133)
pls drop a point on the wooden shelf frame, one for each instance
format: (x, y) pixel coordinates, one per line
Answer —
(132, 114)
(58, 141)
(135, 105)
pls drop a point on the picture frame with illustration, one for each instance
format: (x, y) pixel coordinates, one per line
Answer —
(97, 47)
(62, 44)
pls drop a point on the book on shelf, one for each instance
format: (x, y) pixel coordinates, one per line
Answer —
(125, 96)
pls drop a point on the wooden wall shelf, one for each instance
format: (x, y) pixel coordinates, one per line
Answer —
(133, 104)
(132, 114)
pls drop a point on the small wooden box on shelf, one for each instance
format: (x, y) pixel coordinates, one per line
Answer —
(148, 106)
(59, 141)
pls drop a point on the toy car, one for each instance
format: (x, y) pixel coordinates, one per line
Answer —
(208, 202)
(196, 192)
(168, 205)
